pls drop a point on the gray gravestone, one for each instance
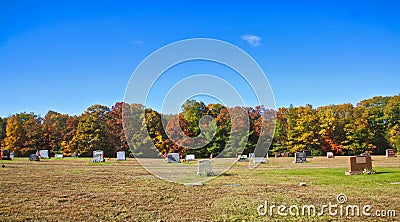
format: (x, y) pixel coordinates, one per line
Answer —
(34, 157)
(98, 156)
(44, 154)
(300, 157)
(173, 158)
(308, 153)
(121, 155)
(204, 168)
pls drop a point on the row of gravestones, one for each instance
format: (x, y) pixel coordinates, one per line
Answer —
(98, 156)
(357, 164)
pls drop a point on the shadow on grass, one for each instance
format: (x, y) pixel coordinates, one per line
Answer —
(229, 174)
(384, 172)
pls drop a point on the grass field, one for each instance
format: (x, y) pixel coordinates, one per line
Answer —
(72, 189)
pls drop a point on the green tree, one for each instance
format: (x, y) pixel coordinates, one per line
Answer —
(136, 132)
(32, 125)
(3, 124)
(191, 113)
(374, 109)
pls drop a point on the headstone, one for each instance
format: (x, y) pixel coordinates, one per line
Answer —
(73, 155)
(44, 154)
(308, 153)
(357, 164)
(251, 155)
(390, 153)
(204, 168)
(5, 155)
(98, 156)
(121, 155)
(300, 157)
(277, 154)
(12, 155)
(190, 157)
(173, 158)
(242, 158)
(329, 155)
(285, 154)
(34, 157)
(59, 156)
(257, 160)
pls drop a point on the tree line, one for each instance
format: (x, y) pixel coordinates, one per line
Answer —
(373, 125)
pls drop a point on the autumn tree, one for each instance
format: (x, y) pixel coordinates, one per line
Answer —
(54, 128)
(15, 136)
(303, 129)
(359, 136)
(115, 132)
(332, 120)
(392, 116)
(71, 126)
(91, 132)
(32, 125)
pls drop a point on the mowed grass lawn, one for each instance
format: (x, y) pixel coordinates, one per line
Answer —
(72, 189)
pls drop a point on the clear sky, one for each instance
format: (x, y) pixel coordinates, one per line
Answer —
(66, 56)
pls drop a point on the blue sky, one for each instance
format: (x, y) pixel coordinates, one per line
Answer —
(66, 56)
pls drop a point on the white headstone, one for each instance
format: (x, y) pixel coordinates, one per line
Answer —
(251, 155)
(173, 158)
(242, 158)
(257, 160)
(59, 156)
(329, 155)
(11, 155)
(121, 155)
(204, 168)
(98, 156)
(190, 157)
(44, 154)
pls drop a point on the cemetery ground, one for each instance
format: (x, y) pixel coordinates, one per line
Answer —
(72, 189)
